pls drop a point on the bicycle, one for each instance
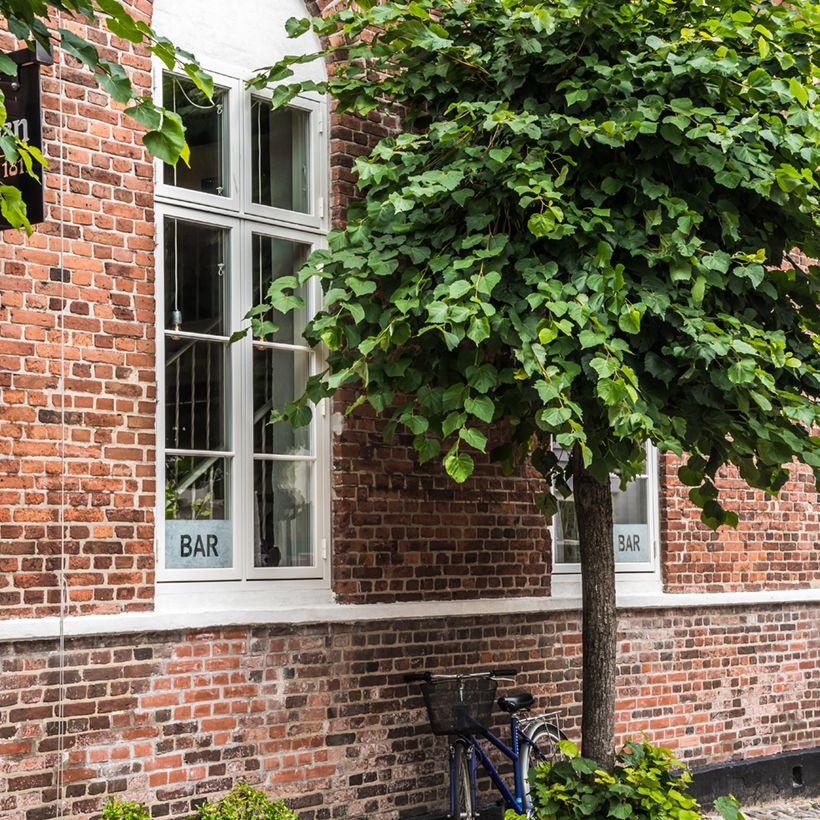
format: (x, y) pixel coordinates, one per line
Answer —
(461, 706)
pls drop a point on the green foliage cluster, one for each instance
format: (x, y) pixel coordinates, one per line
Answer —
(125, 810)
(27, 20)
(647, 783)
(586, 236)
(243, 802)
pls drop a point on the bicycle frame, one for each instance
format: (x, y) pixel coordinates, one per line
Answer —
(478, 755)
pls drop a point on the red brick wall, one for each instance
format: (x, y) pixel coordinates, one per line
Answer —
(320, 715)
(106, 295)
(406, 532)
(776, 545)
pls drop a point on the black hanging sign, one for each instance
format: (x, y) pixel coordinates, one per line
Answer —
(23, 117)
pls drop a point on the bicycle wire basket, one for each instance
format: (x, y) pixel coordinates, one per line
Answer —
(459, 706)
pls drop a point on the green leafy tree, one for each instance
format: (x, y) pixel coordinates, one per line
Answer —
(586, 240)
(28, 20)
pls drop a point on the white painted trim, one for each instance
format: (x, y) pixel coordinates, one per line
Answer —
(323, 611)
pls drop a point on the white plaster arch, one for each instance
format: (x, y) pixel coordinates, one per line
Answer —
(237, 36)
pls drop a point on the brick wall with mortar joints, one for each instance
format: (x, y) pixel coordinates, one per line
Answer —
(404, 531)
(320, 715)
(775, 546)
(107, 285)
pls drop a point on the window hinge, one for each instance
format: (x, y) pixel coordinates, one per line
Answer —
(321, 123)
(321, 206)
(324, 549)
(323, 405)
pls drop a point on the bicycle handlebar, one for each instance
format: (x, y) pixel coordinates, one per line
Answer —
(428, 677)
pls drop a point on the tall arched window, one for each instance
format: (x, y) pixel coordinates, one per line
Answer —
(243, 500)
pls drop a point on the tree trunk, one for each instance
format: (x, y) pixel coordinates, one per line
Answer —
(593, 506)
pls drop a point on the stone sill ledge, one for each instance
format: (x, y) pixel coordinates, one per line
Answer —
(170, 620)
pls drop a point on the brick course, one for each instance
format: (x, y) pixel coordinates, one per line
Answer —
(775, 546)
(320, 714)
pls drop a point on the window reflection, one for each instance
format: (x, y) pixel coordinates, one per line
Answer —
(205, 132)
(281, 146)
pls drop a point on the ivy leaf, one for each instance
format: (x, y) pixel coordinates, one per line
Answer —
(481, 407)
(168, 142)
(459, 466)
(475, 438)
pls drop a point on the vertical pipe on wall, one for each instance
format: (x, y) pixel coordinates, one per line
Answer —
(60, 706)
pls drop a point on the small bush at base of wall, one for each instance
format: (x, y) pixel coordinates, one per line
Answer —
(646, 782)
(242, 803)
(245, 803)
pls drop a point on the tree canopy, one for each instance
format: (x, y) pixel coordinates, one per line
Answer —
(586, 237)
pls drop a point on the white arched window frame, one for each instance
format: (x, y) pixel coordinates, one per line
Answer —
(247, 237)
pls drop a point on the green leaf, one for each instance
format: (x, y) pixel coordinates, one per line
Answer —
(427, 448)
(481, 407)
(79, 48)
(459, 466)
(630, 321)
(799, 91)
(168, 142)
(7, 65)
(296, 26)
(728, 807)
(475, 438)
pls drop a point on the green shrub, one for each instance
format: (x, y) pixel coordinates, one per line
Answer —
(647, 783)
(123, 810)
(245, 803)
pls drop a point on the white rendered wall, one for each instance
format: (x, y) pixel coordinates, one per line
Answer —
(237, 37)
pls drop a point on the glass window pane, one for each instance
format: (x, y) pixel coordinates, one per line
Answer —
(281, 151)
(630, 518)
(279, 377)
(629, 506)
(195, 277)
(206, 133)
(198, 532)
(195, 417)
(282, 520)
(196, 488)
(273, 258)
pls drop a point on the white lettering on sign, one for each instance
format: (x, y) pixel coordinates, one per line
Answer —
(19, 128)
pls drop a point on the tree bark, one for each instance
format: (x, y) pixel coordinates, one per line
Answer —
(593, 506)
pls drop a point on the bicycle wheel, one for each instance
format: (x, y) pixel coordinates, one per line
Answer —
(461, 784)
(542, 748)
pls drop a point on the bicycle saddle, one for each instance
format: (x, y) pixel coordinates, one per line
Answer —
(517, 700)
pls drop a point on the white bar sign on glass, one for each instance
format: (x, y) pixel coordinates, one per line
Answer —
(631, 543)
(198, 545)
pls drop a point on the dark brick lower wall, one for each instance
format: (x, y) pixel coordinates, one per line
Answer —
(320, 715)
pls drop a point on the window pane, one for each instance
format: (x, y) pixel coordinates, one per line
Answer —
(195, 395)
(631, 540)
(279, 377)
(197, 528)
(281, 150)
(272, 259)
(566, 533)
(282, 519)
(196, 488)
(195, 277)
(205, 130)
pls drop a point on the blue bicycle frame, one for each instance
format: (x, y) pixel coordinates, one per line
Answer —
(513, 801)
